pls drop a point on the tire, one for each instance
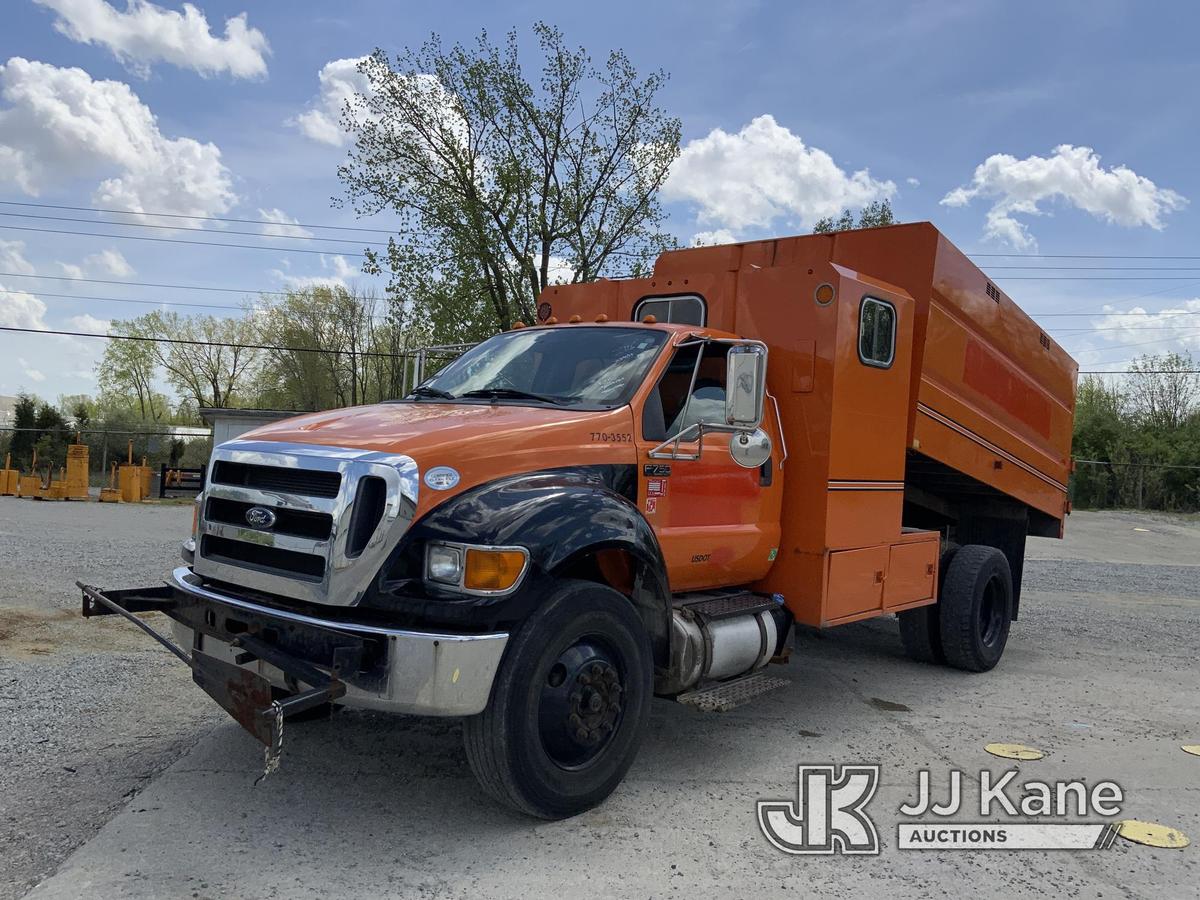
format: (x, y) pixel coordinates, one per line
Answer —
(568, 706)
(976, 608)
(920, 632)
(921, 628)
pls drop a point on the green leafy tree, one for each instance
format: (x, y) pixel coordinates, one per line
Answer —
(873, 215)
(24, 439)
(362, 348)
(503, 182)
(1141, 436)
(128, 370)
(53, 435)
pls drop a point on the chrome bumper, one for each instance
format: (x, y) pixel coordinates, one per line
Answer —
(427, 673)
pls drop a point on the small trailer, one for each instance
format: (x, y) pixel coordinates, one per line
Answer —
(637, 496)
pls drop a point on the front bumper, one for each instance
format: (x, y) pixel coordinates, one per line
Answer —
(416, 672)
(390, 669)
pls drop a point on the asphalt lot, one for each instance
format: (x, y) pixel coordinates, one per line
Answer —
(1100, 673)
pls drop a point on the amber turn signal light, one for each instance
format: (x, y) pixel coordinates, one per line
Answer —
(493, 570)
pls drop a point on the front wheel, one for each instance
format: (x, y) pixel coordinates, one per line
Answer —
(568, 706)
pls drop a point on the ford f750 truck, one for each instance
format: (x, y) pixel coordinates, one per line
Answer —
(636, 496)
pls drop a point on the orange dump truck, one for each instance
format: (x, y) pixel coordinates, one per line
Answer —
(637, 496)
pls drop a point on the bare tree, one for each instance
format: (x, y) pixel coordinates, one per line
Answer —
(1166, 389)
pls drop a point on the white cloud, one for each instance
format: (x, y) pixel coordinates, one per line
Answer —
(12, 258)
(764, 175)
(1072, 175)
(58, 125)
(21, 309)
(560, 271)
(1161, 331)
(286, 227)
(710, 238)
(30, 372)
(89, 323)
(339, 80)
(145, 33)
(340, 274)
(912, 182)
(108, 262)
(70, 270)
(18, 308)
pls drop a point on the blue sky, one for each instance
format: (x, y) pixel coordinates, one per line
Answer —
(953, 110)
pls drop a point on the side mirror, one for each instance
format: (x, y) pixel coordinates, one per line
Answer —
(745, 385)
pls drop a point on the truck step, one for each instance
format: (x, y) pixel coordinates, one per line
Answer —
(731, 694)
(711, 607)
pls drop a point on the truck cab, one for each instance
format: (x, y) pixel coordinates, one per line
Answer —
(637, 496)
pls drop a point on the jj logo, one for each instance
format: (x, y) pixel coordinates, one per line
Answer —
(828, 815)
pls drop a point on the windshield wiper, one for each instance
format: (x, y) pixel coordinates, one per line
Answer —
(424, 390)
(503, 393)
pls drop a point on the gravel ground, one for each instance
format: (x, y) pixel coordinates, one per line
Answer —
(1100, 672)
(92, 709)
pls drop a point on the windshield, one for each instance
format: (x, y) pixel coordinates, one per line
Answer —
(583, 366)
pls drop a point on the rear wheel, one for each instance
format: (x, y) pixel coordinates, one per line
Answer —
(921, 628)
(568, 706)
(976, 607)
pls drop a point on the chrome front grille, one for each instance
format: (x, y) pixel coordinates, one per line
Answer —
(336, 514)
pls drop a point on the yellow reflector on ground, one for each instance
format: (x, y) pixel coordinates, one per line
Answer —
(1014, 751)
(1193, 749)
(1152, 834)
(493, 570)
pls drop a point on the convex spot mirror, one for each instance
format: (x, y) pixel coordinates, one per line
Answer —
(745, 386)
(750, 449)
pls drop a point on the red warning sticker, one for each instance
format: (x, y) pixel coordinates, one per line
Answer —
(656, 487)
(651, 504)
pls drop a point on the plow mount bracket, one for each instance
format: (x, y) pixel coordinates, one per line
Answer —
(244, 694)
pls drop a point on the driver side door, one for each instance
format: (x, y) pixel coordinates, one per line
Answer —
(717, 522)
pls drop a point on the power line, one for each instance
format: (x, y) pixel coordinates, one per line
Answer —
(402, 355)
(245, 291)
(1107, 462)
(286, 237)
(161, 215)
(1171, 313)
(1096, 278)
(310, 237)
(175, 287)
(1069, 256)
(1083, 268)
(199, 218)
(195, 343)
(1139, 372)
(41, 294)
(159, 240)
(181, 303)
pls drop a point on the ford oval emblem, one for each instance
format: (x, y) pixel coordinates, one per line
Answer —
(442, 478)
(260, 517)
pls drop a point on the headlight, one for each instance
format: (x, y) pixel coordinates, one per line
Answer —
(476, 570)
(444, 563)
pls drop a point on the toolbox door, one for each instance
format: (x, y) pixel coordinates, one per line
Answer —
(855, 584)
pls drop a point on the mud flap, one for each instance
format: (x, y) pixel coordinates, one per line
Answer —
(246, 696)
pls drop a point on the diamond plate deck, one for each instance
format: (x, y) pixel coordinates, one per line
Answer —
(731, 694)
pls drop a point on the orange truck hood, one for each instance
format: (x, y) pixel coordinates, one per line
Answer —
(483, 441)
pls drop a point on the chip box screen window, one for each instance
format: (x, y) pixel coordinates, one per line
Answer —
(685, 310)
(877, 332)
